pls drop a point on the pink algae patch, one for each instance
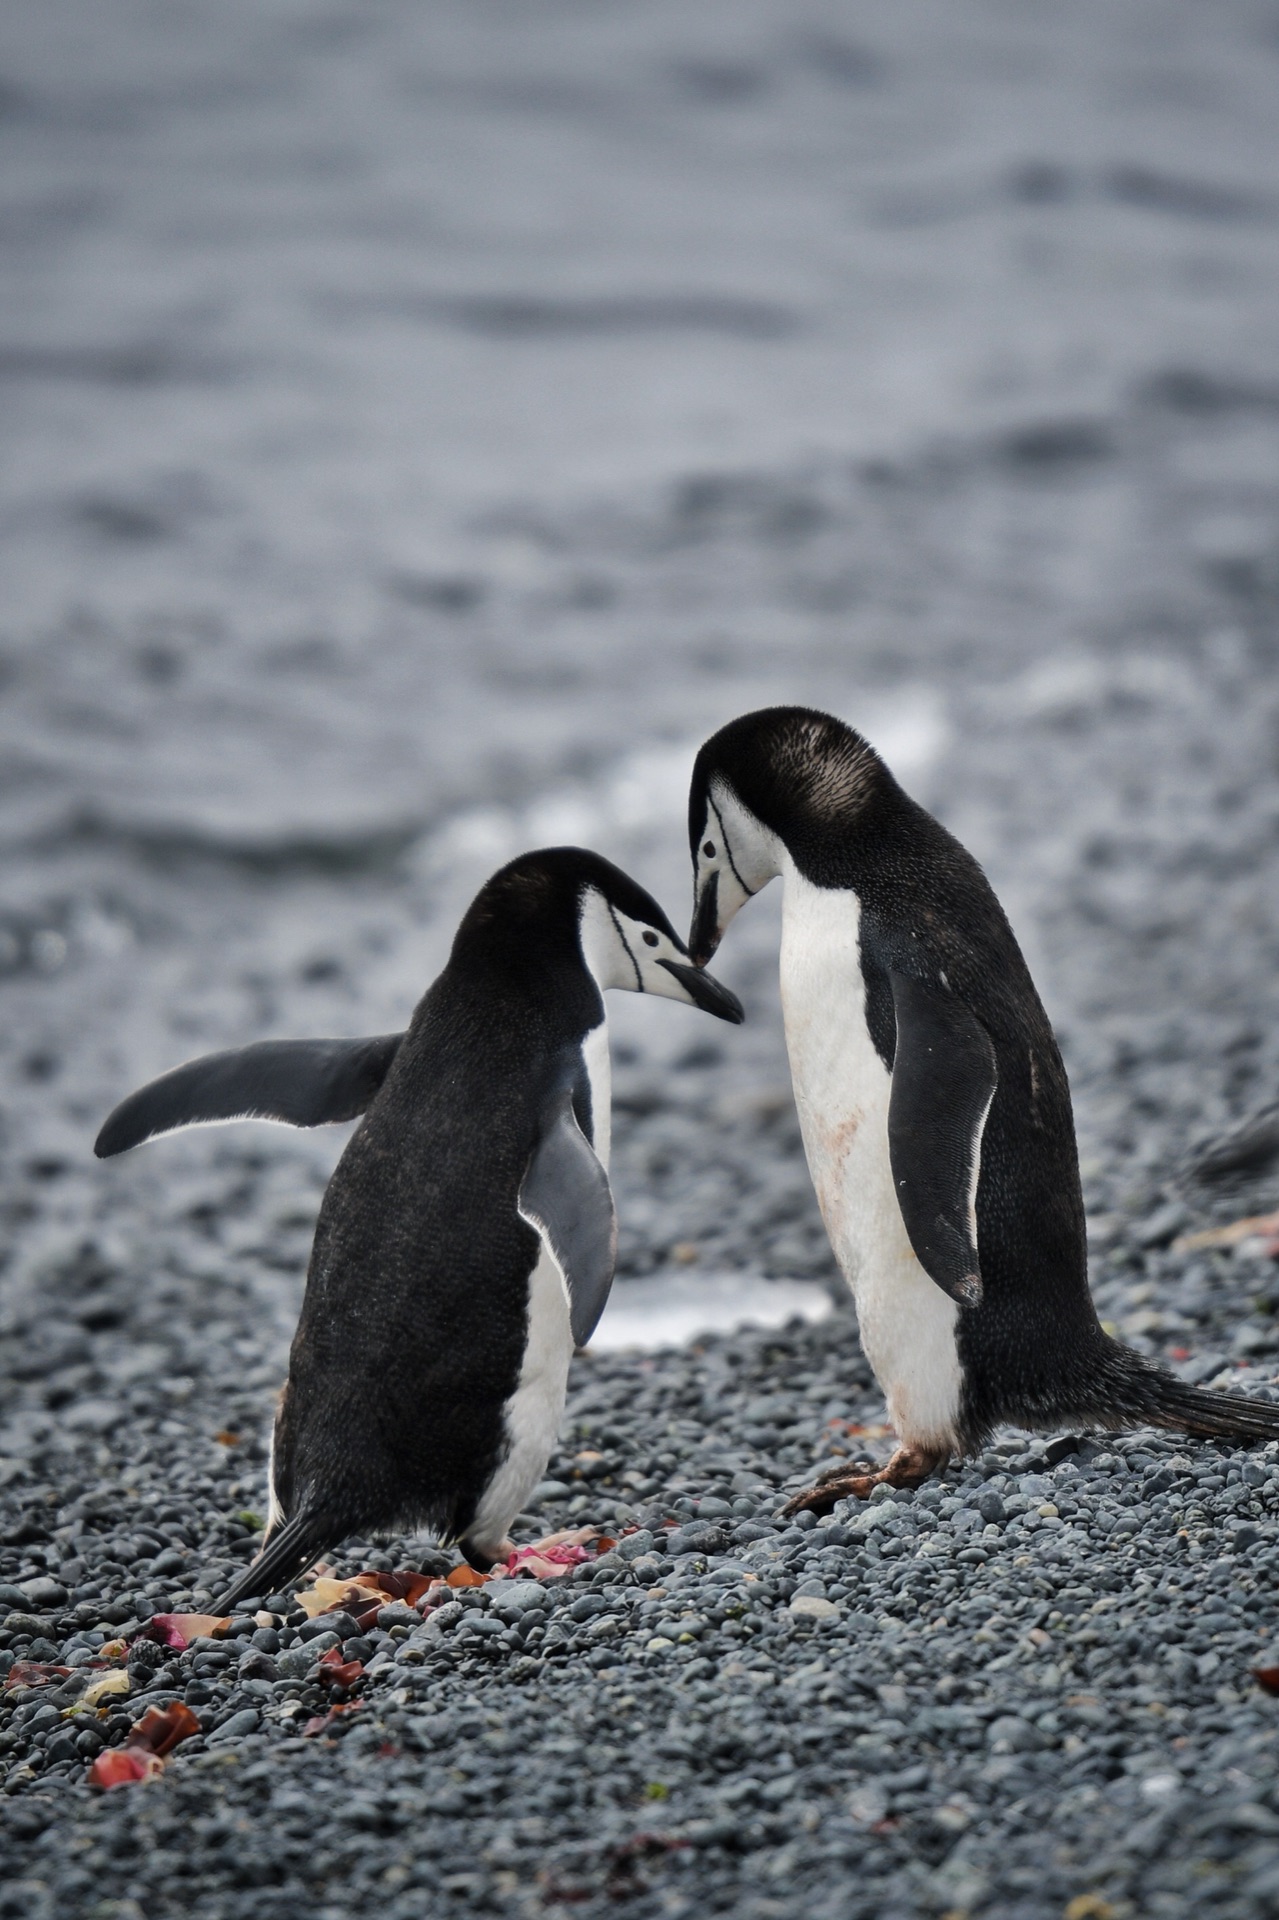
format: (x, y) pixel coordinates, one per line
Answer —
(363, 1594)
(178, 1630)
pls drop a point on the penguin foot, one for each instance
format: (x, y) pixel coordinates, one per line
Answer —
(909, 1467)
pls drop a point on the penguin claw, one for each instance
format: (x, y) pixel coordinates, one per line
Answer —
(828, 1492)
(908, 1467)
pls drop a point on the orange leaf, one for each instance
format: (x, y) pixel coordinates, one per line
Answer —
(1256, 1226)
(227, 1439)
(161, 1729)
(1267, 1678)
(408, 1587)
(329, 1596)
(123, 1766)
(465, 1576)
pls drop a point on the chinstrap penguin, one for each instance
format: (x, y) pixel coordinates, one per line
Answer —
(466, 1241)
(933, 1103)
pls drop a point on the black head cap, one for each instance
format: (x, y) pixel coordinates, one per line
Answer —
(531, 913)
(799, 772)
(541, 893)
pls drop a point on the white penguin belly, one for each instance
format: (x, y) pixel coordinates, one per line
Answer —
(842, 1090)
(533, 1413)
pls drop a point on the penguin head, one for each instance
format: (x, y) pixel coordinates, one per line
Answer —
(575, 908)
(628, 942)
(769, 783)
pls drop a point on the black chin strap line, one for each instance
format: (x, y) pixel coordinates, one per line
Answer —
(639, 978)
(750, 892)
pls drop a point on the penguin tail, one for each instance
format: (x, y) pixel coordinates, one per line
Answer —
(1225, 1416)
(1127, 1389)
(289, 1552)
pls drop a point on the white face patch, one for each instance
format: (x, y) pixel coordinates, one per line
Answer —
(626, 953)
(737, 851)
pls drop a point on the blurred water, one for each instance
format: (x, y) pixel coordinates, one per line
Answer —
(422, 425)
(668, 1309)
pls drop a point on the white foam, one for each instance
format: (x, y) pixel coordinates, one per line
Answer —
(670, 1309)
(646, 791)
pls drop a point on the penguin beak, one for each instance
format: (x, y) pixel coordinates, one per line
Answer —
(704, 935)
(705, 991)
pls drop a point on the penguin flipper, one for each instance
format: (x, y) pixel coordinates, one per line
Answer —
(290, 1551)
(304, 1083)
(565, 1194)
(944, 1079)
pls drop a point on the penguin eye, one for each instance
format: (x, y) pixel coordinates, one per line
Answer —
(709, 849)
(650, 939)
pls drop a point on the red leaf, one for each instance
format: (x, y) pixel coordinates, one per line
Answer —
(161, 1729)
(337, 1672)
(34, 1673)
(1267, 1678)
(408, 1587)
(123, 1767)
(643, 1843)
(321, 1722)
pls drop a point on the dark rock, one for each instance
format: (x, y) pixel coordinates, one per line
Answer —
(341, 1624)
(698, 1537)
(256, 1665)
(239, 1724)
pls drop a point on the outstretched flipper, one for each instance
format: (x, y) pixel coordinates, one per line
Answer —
(291, 1549)
(944, 1079)
(303, 1083)
(565, 1194)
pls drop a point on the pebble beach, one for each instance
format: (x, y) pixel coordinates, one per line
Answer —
(423, 433)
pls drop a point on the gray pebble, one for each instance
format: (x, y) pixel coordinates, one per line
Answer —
(341, 1625)
(239, 1724)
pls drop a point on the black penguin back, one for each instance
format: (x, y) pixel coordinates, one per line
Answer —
(1031, 1345)
(928, 911)
(414, 1321)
